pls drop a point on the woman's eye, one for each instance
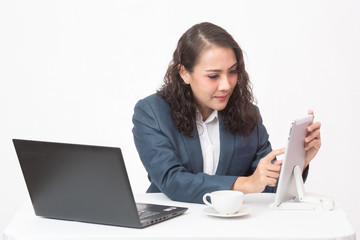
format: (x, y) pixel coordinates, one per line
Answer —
(213, 76)
(234, 71)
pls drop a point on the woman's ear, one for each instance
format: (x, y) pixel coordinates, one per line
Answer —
(184, 74)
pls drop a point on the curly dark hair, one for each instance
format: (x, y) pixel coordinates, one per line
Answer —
(240, 114)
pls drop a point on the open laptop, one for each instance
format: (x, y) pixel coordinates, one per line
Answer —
(84, 183)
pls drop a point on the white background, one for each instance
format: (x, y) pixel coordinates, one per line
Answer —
(72, 71)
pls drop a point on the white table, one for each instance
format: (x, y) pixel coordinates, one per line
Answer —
(262, 223)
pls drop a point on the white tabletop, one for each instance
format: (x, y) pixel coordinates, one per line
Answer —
(261, 223)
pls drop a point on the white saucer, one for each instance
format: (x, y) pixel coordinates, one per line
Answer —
(211, 212)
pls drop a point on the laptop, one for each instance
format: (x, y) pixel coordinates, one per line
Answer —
(84, 183)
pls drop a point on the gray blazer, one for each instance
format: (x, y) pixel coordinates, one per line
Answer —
(174, 162)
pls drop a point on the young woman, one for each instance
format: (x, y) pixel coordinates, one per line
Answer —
(201, 131)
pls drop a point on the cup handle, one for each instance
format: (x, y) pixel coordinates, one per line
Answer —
(205, 200)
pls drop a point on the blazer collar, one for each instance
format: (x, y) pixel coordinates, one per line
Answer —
(194, 151)
(227, 146)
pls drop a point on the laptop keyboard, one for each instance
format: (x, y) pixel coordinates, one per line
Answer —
(143, 214)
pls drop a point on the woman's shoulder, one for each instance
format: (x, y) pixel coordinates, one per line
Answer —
(153, 110)
(153, 104)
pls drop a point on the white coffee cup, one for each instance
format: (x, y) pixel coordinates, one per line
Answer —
(225, 201)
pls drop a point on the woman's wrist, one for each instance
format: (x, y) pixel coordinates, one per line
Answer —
(242, 184)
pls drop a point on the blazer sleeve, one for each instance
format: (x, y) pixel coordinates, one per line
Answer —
(161, 159)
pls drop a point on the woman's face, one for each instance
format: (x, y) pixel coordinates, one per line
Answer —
(213, 79)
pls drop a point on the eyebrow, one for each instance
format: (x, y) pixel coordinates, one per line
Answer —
(218, 70)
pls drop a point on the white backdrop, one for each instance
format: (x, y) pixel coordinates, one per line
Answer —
(72, 71)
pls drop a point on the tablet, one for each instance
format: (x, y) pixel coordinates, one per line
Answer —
(294, 156)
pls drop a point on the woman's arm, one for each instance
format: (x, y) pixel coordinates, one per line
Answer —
(266, 174)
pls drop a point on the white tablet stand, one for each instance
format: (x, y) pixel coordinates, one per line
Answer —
(303, 201)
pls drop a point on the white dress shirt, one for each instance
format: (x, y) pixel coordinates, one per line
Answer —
(209, 141)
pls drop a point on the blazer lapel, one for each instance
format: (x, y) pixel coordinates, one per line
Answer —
(227, 146)
(194, 150)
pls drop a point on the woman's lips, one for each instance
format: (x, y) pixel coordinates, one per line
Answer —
(221, 98)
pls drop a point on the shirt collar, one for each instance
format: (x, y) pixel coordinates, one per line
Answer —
(213, 116)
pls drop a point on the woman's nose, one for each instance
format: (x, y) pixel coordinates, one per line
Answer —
(224, 83)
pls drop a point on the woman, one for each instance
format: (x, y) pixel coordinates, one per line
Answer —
(201, 132)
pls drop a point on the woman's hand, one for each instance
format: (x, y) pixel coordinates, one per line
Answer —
(312, 140)
(266, 174)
